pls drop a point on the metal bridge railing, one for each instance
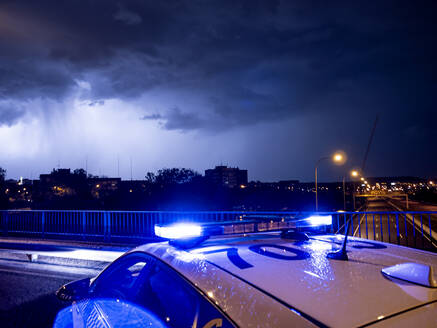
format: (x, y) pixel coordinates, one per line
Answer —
(414, 229)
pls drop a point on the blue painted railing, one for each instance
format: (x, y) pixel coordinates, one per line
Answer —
(414, 229)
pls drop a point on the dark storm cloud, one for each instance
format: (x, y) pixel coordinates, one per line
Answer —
(250, 61)
(10, 113)
(176, 119)
(30, 79)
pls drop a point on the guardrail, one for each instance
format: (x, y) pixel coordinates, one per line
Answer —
(412, 229)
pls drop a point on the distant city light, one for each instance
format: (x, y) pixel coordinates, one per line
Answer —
(354, 173)
(242, 186)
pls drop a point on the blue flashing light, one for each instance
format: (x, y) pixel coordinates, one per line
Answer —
(190, 234)
(316, 221)
(179, 231)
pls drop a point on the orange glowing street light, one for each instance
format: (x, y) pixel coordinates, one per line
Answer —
(337, 157)
(354, 173)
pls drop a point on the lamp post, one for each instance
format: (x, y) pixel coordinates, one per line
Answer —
(344, 194)
(354, 174)
(337, 158)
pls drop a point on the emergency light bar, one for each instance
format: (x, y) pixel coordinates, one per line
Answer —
(250, 224)
(317, 221)
(178, 231)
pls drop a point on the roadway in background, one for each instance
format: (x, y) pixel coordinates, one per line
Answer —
(385, 227)
(418, 206)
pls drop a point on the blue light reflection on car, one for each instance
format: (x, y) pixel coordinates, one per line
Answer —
(106, 313)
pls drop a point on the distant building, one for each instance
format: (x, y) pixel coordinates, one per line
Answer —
(59, 176)
(59, 183)
(226, 176)
(133, 186)
(102, 187)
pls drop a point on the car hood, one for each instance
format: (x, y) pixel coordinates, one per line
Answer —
(335, 293)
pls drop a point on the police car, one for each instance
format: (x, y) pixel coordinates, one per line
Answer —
(259, 272)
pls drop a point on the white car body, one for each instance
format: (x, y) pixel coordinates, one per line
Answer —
(282, 283)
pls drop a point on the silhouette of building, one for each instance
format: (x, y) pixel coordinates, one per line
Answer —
(226, 176)
(103, 187)
(59, 176)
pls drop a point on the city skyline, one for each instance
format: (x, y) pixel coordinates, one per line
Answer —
(203, 173)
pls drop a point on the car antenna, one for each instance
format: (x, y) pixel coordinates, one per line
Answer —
(341, 254)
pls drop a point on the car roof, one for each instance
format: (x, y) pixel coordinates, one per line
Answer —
(298, 275)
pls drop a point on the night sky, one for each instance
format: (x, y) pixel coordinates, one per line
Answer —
(270, 86)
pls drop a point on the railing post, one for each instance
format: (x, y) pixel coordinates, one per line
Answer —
(106, 228)
(380, 223)
(421, 226)
(108, 218)
(414, 233)
(43, 223)
(367, 232)
(388, 227)
(359, 224)
(406, 229)
(83, 224)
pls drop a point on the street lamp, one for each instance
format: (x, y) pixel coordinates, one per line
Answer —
(338, 158)
(354, 174)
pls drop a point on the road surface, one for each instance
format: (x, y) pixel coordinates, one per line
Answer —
(27, 289)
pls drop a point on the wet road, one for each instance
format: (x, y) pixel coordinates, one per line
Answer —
(27, 289)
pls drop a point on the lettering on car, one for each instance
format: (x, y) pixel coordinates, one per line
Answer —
(262, 249)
